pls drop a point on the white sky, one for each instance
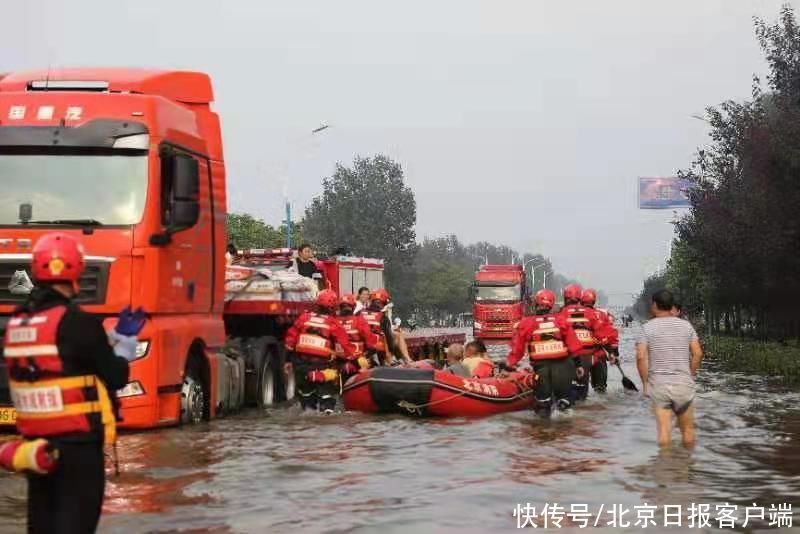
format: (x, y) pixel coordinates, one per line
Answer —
(522, 122)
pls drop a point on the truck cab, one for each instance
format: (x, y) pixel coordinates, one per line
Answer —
(130, 163)
(499, 301)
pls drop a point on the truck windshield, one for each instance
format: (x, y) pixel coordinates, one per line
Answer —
(109, 189)
(498, 293)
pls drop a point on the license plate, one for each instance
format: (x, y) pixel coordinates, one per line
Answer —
(8, 416)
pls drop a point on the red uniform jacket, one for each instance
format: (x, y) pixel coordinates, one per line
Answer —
(610, 332)
(359, 331)
(320, 331)
(525, 333)
(589, 323)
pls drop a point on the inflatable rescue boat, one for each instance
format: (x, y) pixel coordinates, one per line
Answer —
(431, 392)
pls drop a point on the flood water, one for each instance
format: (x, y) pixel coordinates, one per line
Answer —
(281, 471)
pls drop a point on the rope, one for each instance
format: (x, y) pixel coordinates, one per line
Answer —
(417, 408)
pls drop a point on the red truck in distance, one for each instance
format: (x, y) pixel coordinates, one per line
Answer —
(500, 300)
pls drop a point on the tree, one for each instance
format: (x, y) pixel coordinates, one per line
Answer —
(245, 231)
(368, 210)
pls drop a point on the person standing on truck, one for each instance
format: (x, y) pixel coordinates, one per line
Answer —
(362, 338)
(548, 340)
(61, 368)
(390, 341)
(311, 342)
(603, 355)
(589, 331)
(304, 263)
(363, 300)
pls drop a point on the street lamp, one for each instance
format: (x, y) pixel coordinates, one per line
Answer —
(288, 221)
(533, 271)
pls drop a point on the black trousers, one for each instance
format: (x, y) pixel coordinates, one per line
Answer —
(581, 385)
(599, 375)
(314, 395)
(68, 501)
(554, 384)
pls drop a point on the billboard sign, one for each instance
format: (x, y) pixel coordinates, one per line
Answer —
(664, 193)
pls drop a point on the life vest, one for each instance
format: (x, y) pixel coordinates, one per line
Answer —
(478, 366)
(374, 319)
(348, 322)
(315, 337)
(49, 403)
(546, 342)
(578, 318)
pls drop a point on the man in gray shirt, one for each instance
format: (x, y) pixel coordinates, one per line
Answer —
(668, 354)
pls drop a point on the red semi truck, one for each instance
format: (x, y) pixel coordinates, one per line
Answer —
(499, 301)
(130, 163)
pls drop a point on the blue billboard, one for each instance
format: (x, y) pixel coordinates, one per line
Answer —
(664, 193)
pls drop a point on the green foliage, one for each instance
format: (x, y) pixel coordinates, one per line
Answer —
(367, 209)
(777, 360)
(735, 259)
(245, 231)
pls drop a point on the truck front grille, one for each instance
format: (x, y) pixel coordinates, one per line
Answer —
(93, 282)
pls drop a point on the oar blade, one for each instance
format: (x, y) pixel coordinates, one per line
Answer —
(628, 384)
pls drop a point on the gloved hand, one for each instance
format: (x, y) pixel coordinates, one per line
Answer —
(503, 366)
(130, 323)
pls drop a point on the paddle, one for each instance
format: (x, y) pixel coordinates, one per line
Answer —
(627, 383)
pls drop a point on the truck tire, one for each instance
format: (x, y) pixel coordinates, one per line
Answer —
(193, 398)
(285, 385)
(266, 385)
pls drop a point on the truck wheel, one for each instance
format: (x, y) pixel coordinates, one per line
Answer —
(193, 400)
(266, 386)
(289, 385)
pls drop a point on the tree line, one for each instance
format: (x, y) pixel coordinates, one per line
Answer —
(734, 261)
(368, 210)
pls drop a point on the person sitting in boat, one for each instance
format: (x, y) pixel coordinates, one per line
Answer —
(476, 361)
(310, 342)
(455, 353)
(363, 339)
(390, 342)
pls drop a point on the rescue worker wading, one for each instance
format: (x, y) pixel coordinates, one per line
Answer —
(589, 332)
(548, 341)
(380, 325)
(61, 368)
(599, 371)
(312, 340)
(364, 341)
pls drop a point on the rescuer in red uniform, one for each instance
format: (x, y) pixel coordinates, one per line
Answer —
(589, 331)
(390, 342)
(363, 339)
(312, 341)
(548, 341)
(61, 367)
(599, 371)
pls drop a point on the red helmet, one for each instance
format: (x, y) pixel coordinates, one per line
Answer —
(348, 299)
(380, 295)
(572, 293)
(57, 258)
(327, 299)
(544, 298)
(588, 297)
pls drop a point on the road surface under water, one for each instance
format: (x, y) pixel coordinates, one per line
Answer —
(282, 471)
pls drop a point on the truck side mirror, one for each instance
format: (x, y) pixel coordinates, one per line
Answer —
(180, 191)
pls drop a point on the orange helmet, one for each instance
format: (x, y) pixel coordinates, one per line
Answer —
(348, 299)
(544, 298)
(588, 297)
(381, 295)
(572, 293)
(327, 299)
(57, 258)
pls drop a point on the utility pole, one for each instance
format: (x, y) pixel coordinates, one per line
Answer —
(289, 225)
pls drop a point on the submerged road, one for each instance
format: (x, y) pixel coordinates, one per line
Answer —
(282, 471)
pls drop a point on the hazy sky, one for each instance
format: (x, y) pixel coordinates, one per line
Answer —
(522, 122)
